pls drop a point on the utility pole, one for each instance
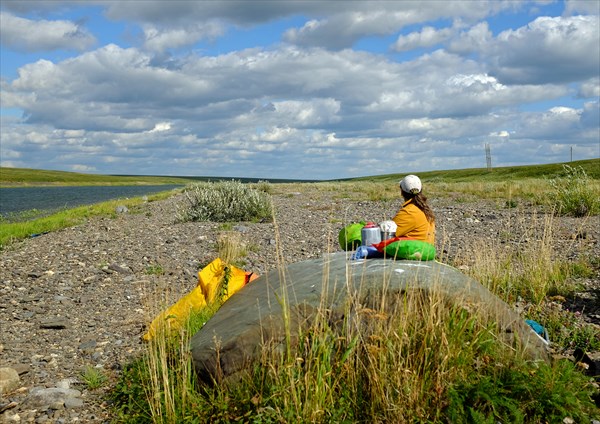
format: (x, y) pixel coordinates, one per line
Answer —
(488, 157)
(571, 153)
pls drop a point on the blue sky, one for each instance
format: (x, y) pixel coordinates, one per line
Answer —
(297, 89)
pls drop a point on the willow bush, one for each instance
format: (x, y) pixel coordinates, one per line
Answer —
(225, 201)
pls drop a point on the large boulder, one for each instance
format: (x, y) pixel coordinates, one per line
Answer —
(233, 338)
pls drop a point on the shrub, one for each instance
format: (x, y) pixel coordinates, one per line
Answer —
(225, 201)
(574, 194)
(94, 378)
(264, 186)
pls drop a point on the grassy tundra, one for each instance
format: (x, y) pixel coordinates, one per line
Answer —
(446, 366)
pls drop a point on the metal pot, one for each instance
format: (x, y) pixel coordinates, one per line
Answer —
(386, 235)
(370, 234)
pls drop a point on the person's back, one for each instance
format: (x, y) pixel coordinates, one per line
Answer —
(415, 220)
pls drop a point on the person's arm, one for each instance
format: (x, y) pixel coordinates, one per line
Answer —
(405, 222)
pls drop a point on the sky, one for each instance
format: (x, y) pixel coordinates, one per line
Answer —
(297, 89)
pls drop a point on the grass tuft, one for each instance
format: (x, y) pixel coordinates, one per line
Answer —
(574, 194)
(94, 378)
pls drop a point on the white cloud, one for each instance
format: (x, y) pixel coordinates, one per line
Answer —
(474, 39)
(548, 50)
(82, 168)
(591, 7)
(27, 35)
(161, 126)
(427, 37)
(590, 88)
(159, 40)
(344, 28)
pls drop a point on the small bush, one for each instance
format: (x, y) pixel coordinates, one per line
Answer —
(94, 378)
(225, 201)
(574, 194)
(264, 186)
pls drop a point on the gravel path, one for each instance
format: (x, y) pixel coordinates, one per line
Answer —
(84, 295)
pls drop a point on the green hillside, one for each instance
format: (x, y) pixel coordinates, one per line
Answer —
(590, 166)
(10, 177)
(35, 177)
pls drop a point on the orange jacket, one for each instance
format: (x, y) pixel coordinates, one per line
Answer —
(412, 223)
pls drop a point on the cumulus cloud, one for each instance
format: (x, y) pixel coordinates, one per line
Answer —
(548, 50)
(473, 39)
(27, 35)
(591, 7)
(590, 88)
(427, 37)
(159, 40)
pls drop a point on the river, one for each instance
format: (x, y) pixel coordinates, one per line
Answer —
(15, 200)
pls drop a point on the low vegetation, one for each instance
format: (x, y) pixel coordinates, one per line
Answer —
(225, 201)
(93, 378)
(575, 193)
(420, 361)
(20, 177)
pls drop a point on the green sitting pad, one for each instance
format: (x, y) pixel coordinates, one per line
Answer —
(415, 250)
(350, 237)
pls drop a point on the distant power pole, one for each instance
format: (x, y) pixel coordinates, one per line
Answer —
(571, 153)
(488, 156)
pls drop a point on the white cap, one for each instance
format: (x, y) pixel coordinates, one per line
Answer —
(411, 184)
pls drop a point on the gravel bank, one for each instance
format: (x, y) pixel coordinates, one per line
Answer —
(84, 295)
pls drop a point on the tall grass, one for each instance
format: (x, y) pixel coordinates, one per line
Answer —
(526, 269)
(411, 357)
(575, 193)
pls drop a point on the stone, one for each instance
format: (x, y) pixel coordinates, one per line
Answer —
(230, 341)
(54, 323)
(21, 368)
(121, 269)
(50, 398)
(9, 380)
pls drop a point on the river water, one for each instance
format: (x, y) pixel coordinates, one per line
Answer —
(19, 199)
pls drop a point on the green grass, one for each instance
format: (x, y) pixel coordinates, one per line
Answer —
(500, 174)
(14, 177)
(93, 378)
(422, 361)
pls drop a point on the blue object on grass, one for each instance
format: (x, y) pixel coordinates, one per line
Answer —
(538, 328)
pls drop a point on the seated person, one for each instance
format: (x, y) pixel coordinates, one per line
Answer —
(415, 219)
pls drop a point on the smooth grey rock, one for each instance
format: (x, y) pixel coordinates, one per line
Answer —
(231, 340)
(9, 379)
(51, 398)
(121, 269)
(73, 402)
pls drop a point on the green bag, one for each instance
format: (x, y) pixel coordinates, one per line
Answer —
(415, 250)
(350, 237)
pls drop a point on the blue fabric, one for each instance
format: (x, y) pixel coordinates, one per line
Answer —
(538, 328)
(366, 252)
